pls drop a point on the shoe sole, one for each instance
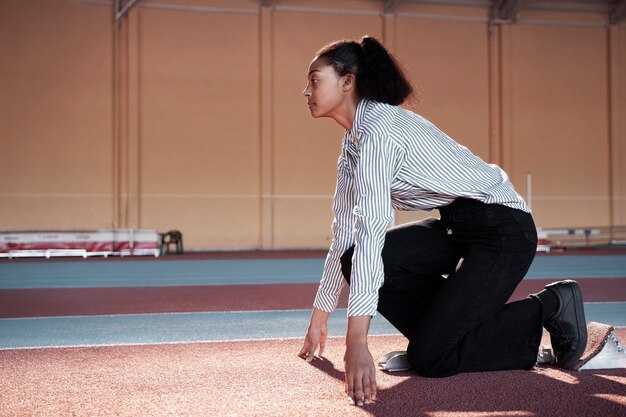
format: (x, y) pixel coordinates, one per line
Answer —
(385, 358)
(580, 323)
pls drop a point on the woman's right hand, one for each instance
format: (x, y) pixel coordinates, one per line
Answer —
(315, 335)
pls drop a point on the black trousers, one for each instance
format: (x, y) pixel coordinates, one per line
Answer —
(461, 323)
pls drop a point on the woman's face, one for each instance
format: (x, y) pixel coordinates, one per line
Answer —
(325, 90)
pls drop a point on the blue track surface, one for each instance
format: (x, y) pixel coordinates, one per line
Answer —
(202, 327)
(153, 273)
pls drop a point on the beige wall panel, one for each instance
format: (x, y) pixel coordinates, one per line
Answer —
(449, 65)
(556, 17)
(431, 10)
(303, 223)
(619, 125)
(560, 212)
(305, 149)
(55, 212)
(232, 5)
(55, 114)
(206, 223)
(199, 117)
(555, 121)
(351, 6)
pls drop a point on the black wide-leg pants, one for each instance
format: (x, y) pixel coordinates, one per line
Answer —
(447, 283)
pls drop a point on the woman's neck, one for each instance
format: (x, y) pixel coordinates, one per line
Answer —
(345, 115)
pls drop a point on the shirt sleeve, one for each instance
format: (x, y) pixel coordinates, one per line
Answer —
(372, 215)
(343, 203)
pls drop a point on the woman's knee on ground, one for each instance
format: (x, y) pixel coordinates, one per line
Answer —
(427, 362)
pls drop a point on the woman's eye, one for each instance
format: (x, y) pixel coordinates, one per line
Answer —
(314, 81)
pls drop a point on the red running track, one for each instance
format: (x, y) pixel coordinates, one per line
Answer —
(267, 379)
(54, 302)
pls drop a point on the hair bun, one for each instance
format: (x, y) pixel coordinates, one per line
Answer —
(369, 44)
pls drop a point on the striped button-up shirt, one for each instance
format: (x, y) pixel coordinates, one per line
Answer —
(394, 158)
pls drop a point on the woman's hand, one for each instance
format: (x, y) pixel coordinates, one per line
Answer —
(315, 335)
(360, 377)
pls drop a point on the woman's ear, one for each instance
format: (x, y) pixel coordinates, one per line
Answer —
(349, 82)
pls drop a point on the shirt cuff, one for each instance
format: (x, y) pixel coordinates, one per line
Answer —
(325, 301)
(364, 304)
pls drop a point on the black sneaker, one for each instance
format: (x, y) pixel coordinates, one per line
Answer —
(567, 327)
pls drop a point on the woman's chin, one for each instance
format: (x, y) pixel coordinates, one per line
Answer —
(316, 114)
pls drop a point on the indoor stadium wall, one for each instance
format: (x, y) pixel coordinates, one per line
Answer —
(189, 115)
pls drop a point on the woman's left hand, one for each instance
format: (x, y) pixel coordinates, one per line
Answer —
(360, 377)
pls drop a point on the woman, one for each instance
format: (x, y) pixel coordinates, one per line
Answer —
(443, 283)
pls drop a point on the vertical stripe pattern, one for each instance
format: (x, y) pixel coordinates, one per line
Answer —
(394, 158)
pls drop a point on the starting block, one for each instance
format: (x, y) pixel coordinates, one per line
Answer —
(604, 350)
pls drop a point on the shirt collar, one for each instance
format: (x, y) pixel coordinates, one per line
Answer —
(357, 124)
